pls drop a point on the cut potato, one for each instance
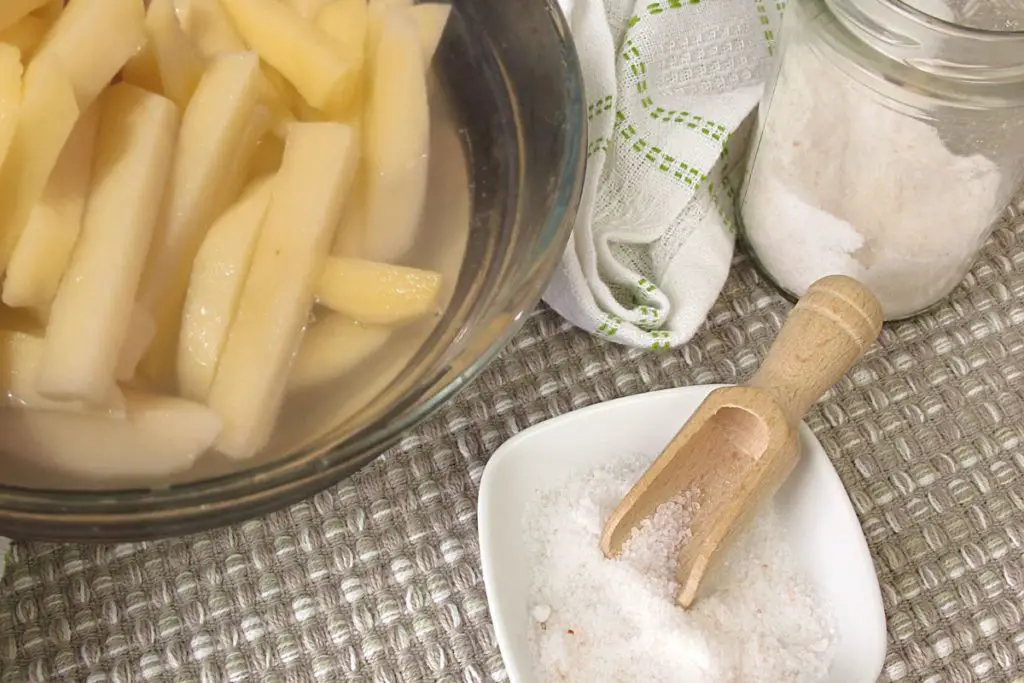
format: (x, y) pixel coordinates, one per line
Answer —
(90, 314)
(377, 293)
(47, 116)
(20, 354)
(213, 131)
(308, 8)
(298, 49)
(430, 18)
(181, 65)
(10, 96)
(50, 11)
(13, 11)
(331, 348)
(239, 167)
(267, 157)
(397, 140)
(92, 40)
(351, 232)
(26, 35)
(345, 22)
(215, 287)
(44, 248)
(274, 94)
(210, 27)
(158, 436)
(317, 170)
(143, 70)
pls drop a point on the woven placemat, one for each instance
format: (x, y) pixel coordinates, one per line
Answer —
(378, 579)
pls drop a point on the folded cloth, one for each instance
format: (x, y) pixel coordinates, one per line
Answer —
(669, 84)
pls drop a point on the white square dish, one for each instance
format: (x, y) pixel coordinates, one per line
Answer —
(825, 535)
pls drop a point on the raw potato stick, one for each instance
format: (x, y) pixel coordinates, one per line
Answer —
(90, 314)
(44, 249)
(142, 70)
(179, 62)
(430, 18)
(92, 40)
(157, 436)
(26, 35)
(13, 11)
(331, 348)
(20, 353)
(215, 287)
(350, 236)
(47, 116)
(239, 169)
(10, 96)
(377, 293)
(210, 27)
(303, 53)
(307, 8)
(213, 132)
(345, 22)
(316, 172)
(397, 139)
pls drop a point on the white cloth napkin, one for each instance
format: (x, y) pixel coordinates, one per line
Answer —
(668, 83)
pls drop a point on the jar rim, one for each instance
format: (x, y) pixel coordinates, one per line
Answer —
(901, 31)
(924, 17)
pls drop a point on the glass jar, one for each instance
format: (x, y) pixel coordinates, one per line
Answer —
(889, 141)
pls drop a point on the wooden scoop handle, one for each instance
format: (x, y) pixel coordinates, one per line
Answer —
(830, 328)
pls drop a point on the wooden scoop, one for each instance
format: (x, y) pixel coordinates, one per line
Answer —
(742, 442)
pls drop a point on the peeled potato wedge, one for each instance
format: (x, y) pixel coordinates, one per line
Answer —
(377, 293)
(210, 27)
(181, 66)
(397, 140)
(317, 169)
(20, 353)
(430, 19)
(90, 314)
(26, 35)
(351, 232)
(44, 248)
(13, 11)
(331, 348)
(50, 11)
(298, 49)
(45, 120)
(239, 169)
(92, 40)
(215, 287)
(345, 22)
(10, 96)
(266, 158)
(307, 8)
(143, 70)
(157, 436)
(213, 132)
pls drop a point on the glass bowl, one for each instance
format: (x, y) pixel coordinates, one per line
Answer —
(512, 81)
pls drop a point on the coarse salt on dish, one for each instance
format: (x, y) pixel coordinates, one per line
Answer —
(616, 620)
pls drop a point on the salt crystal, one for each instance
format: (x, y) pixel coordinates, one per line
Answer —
(541, 613)
(616, 620)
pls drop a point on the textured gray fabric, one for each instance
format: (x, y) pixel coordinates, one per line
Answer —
(378, 579)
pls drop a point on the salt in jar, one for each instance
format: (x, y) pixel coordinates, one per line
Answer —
(889, 141)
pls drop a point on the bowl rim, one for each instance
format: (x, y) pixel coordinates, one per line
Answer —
(143, 514)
